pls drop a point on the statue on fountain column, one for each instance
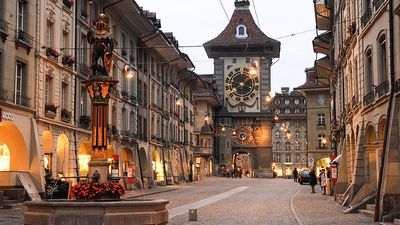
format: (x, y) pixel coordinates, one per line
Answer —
(103, 46)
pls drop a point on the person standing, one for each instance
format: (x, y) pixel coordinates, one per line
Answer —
(313, 180)
(323, 181)
(295, 173)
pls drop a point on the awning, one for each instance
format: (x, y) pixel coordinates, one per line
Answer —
(336, 160)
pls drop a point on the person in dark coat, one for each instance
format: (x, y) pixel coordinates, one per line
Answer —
(313, 180)
(295, 173)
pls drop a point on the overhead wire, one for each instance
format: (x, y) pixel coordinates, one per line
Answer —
(223, 8)
(255, 11)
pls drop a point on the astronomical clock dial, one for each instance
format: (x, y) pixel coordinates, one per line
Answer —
(242, 134)
(240, 85)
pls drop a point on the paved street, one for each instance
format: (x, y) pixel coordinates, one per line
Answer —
(243, 201)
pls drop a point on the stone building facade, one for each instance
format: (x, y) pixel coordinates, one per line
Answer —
(289, 133)
(363, 89)
(44, 104)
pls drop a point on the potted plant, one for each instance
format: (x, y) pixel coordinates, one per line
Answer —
(52, 52)
(68, 60)
(66, 115)
(50, 109)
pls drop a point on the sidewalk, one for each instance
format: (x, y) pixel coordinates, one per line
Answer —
(150, 191)
(318, 209)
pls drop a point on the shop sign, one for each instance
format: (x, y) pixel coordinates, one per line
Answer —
(6, 116)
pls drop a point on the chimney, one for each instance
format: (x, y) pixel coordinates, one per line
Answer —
(242, 4)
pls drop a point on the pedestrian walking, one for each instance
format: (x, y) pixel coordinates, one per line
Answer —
(313, 180)
(295, 173)
(323, 181)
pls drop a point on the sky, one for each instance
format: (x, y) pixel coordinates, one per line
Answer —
(195, 22)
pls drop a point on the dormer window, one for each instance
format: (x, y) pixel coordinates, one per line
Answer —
(241, 31)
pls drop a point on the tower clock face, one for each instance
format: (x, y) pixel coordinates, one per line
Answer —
(240, 85)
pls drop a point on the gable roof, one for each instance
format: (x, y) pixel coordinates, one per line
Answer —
(255, 38)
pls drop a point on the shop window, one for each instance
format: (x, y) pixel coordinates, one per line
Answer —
(83, 161)
(47, 159)
(4, 158)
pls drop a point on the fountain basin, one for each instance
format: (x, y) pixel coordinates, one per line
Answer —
(119, 212)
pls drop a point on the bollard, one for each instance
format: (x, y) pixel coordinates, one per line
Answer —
(192, 214)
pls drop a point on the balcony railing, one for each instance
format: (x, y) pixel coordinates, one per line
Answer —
(382, 89)
(3, 29)
(366, 17)
(377, 4)
(24, 39)
(203, 151)
(369, 98)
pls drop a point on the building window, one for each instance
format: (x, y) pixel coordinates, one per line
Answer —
(228, 145)
(241, 31)
(83, 101)
(287, 146)
(132, 120)
(287, 111)
(297, 158)
(124, 120)
(320, 100)
(277, 146)
(278, 158)
(297, 111)
(277, 111)
(4, 158)
(287, 101)
(234, 60)
(247, 60)
(368, 71)
(382, 59)
(277, 101)
(278, 135)
(49, 35)
(64, 95)
(21, 14)
(321, 119)
(297, 146)
(297, 134)
(288, 158)
(20, 84)
(321, 141)
(83, 50)
(48, 89)
(296, 101)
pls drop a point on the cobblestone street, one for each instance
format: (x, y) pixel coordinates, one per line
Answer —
(247, 201)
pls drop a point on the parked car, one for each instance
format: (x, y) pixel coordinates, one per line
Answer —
(303, 177)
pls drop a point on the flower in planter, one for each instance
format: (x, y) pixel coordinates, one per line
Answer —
(68, 60)
(87, 191)
(65, 114)
(51, 107)
(52, 52)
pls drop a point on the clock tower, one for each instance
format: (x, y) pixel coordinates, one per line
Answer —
(243, 57)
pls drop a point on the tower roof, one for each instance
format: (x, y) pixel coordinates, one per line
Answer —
(253, 43)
